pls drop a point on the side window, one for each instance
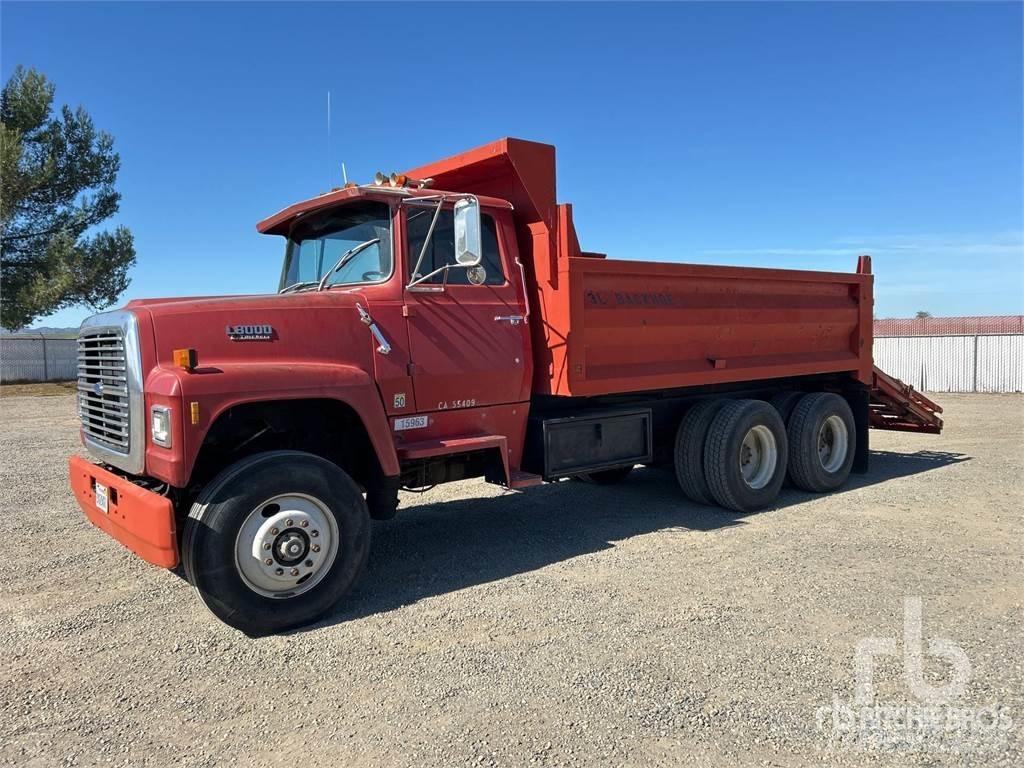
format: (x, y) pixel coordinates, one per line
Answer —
(441, 249)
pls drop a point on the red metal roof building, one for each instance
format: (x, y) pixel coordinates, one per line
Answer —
(949, 326)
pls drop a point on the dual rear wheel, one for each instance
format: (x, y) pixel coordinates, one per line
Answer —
(737, 453)
(823, 441)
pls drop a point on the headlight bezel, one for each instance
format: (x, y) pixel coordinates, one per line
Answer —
(160, 426)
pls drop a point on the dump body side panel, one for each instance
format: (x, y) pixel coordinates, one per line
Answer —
(638, 326)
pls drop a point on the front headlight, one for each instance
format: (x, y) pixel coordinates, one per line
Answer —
(160, 425)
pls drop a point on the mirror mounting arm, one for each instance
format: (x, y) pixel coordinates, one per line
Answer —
(427, 239)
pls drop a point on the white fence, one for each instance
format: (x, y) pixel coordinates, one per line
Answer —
(954, 363)
(929, 363)
(25, 357)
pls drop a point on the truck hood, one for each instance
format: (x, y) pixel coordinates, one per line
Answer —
(299, 327)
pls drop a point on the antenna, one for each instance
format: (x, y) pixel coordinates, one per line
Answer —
(344, 173)
(328, 139)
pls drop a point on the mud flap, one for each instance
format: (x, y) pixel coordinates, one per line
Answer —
(860, 403)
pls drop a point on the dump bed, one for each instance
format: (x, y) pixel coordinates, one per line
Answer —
(632, 326)
(603, 326)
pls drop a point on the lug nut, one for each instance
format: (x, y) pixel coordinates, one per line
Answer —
(269, 561)
(274, 531)
(314, 534)
(315, 547)
(295, 571)
(309, 563)
(289, 523)
(304, 523)
(266, 545)
(279, 571)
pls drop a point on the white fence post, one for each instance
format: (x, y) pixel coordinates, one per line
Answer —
(975, 386)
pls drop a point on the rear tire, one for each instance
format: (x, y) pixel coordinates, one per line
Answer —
(606, 476)
(785, 403)
(745, 455)
(299, 511)
(822, 442)
(688, 455)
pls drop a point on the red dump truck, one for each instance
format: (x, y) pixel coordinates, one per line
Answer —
(444, 324)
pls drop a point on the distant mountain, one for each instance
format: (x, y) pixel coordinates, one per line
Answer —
(46, 330)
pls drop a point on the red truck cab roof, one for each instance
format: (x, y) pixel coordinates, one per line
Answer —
(281, 222)
(505, 173)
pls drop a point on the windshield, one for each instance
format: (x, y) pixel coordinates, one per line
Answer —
(317, 243)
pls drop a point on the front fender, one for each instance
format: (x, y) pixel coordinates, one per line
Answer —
(215, 389)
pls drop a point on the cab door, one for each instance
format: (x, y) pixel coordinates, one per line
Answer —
(468, 337)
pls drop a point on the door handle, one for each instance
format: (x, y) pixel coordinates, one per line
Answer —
(513, 319)
(382, 344)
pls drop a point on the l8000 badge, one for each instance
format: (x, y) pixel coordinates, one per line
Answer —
(250, 332)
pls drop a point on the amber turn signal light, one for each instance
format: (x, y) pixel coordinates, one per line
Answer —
(185, 358)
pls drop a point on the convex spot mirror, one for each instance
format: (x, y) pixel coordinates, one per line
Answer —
(468, 249)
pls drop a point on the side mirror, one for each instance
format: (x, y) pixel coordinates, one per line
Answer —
(468, 249)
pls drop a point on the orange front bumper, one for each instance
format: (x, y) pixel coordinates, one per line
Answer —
(141, 520)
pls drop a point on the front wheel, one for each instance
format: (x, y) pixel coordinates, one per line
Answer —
(275, 541)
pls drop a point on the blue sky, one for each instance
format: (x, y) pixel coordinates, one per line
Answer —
(793, 135)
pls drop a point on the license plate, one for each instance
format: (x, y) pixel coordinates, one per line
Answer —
(101, 497)
(410, 422)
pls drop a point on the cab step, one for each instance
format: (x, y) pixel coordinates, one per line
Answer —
(426, 449)
(521, 480)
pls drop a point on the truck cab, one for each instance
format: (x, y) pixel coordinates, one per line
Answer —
(448, 325)
(397, 347)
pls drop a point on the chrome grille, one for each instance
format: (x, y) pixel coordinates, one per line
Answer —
(103, 398)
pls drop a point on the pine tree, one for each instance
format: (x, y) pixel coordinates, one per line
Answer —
(57, 186)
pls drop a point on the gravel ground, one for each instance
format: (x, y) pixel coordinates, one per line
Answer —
(568, 625)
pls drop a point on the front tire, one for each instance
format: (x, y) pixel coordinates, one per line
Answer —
(275, 541)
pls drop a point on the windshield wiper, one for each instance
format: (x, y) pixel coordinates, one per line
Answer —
(297, 286)
(345, 258)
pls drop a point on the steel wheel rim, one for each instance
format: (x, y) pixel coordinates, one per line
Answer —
(759, 455)
(299, 537)
(833, 443)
